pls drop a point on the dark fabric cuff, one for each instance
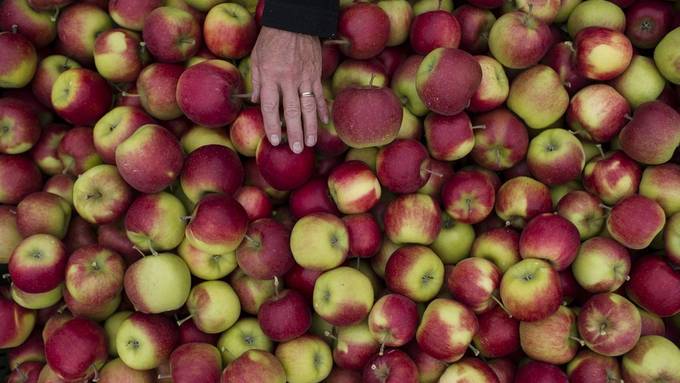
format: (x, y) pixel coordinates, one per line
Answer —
(318, 19)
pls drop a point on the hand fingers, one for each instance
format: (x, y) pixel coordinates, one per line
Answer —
(321, 106)
(292, 114)
(270, 112)
(255, 80)
(310, 119)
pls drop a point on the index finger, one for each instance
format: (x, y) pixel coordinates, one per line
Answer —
(269, 96)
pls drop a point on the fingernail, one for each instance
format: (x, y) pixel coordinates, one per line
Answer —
(274, 139)
(311, 140)
(297, 148)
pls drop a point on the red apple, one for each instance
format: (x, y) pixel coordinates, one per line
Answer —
(76, 350)
(609, 324)
(218, 224)
(473, 281)
(265, 253)
(402, 166)
(313, 197)
(654, 285)
(498, 334)
(434, 29)
(468, 196)
(81, 96)
(365, 29)
(285, 316)
(562, 59)
(255, 201)
(588, 115)
(612, 177)
(412, 218)
(171, 35)
(157, 85)
(354, 187)
(131, 14)
(635, 221)
(647, 22)
(282, 168)
(552, 238)
(601, 53)
(475, 24)
(390, 367)
(393, 320)
(519, 40)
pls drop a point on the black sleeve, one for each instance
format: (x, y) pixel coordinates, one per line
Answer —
(311, 17)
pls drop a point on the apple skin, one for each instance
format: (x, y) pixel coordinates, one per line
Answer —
(449, 138)
(538, 87)
(468, 196)
(255, 202)
(130, 14)
(36, 26)
(531, 290)
(252, 293)
(25, 372)
(648, 218)
(401, 166)
(265, 253)
(157, 86)
(94, 275)
(609, 324)
(589, 366)
(403, 84)
(343, 296)
(339, 375)
(156, 271)
(555, 157)
(194, 137)
(312, 197)
(602, 265)
(354, 347)
(504, 369)
(642, 70)
(561, 58)
(81, 96)
(588, 116)
(446, 329)
(469, 369)
(38, 263)
(229, 31)
(43, 213)
(434, 185)
(171, 34)
(76, 349)
(638, 140)
(212, 211)
(498, 334)
(118, 55)
(602, 54)
(366, 28)
(254, 366)
(472, 282)
(18, 71)
(354, 187)
(211, 169)
(390, 367)
(653, 285)
(144, 341)
(552, 238)
(393, 320)
(247, 130)
(434, 29)
(671, 238)
(652, 358)
(652, 324)
(613, 177)
(447, 79)
(143, 219)
(332, 241)
(194, 362)
(358, 74)
(365, 236)
(534, 371)
(115, 127)
(502, 143)
(494, 88)
(11, 237)
(208, 108)
(76, 150)
(302, 280)
(78, 27)
(429, 368)
(44, 152)
(367, 116)
(551, 340)
(412, 218)
(244, 335)
(475, 24)
(305, 359)
(115, 371)
(284, 316)
(534, 196)
(518, 40)
(660, 184)
(666, 58)
(19, 323)
(648, 22)
(282, 168)
(21, 127)
(100, 195)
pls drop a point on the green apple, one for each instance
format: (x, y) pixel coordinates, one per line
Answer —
(214, 306)
(641, 82)
(319, 234)
(144, 341)
(111, 327)
(205, 265)
(244, 335)
(596, 13)
(201, 136)
(454, 241)
(37, 301)
(667, 56)
(538, 97)
(158, 283)
(343, 296)
(306, 359)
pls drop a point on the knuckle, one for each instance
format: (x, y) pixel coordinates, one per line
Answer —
(269, 107)
(292, 111)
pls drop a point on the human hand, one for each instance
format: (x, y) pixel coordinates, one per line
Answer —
(286, 70)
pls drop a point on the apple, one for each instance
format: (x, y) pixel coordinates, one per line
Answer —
(171, 35)
(32, 350)
(144, 341)
(284, 316)
(353, 187)
(76, 151)
(402, 166)
(530, 290)
(429, 368)
(651, 324)
(282, 168)
(20, 177)
(157, 85)
(100, 195)
(111, 326)
(538, 88)
(638, 138)
(247, 130)
(158, 283)
(404, 85)
(391, 366)
(366, 155)
(612, 177)
(94, 275)
(609, 324)
(244, 335)
(504, 369)
(521, 198)
(76, 350)
(400, 14)
(671, 238)
(503, 141)
(214, 306)
(62, 186)
(468, 196)
(330, 237)
(597, 13)
(533, 371)
(37, 301)
(498, 334)
(165, 231)
(433, 186)
(552, 238)
(519, 40)
(119, 55)
(343, 296)
(38, 263)
(10, 237)
(469, 368)
(434, 29)
(653, 285)
(647, 219)
(561, 58)
(19, 323)
(364, 30)
(367, 116)
(229, 31)
(211, 169)
(313, 197)
(666, 58)
(552, 339)
(393, 320)
(113, 236)
(265, 253)
(555, 157)
(254, 366)
(412, 218)
(115, 127)
(416, 272)
(43, 213)
(116, 371)
(131, 14)
(208, 108)
(302, 280)
(20, 128)
(330, 58)
(196, 362)
(494, 88)
(81, 96)
(587, 365)
(446, 329)
(472, 282)
(255, 202)
(589, 118)
(602, 265)
(647, 23)
(475, 25)
(199, 136)
(652, 358)
(78, 27)
(95, 312)
(659, 183)
(454, 241)
(449, 138)
(305, 359)
(35, 25)
(354, 347)
(44, 152)
(601, 53)
(447, 79)
(357, 74)
(641, 70)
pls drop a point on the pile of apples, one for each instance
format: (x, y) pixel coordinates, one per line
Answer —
(496, 198)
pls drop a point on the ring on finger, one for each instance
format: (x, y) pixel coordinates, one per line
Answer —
(307, 94)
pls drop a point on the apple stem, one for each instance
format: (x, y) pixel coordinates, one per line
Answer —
(164, 376)
(579, 340)
(15, 28)
(12, 211)
(126, 94)
(276, 287)
(142, 47)
(501, 305)
(627, 278)
(181, 321)
(95, 378)
(336, 42)
(628, 117)
(474, 349)
(153, 251)
(567, 84)
(370, 82)
(243, 95)
(139, 251)
(6, 276)
(185, 218)
(328, 334)
(55, 15)
(599, 147)
(605, 207)
(61, 309)
(426, 170)
(358, 262)
(382, 349)
(508, 223)
(479, 127)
